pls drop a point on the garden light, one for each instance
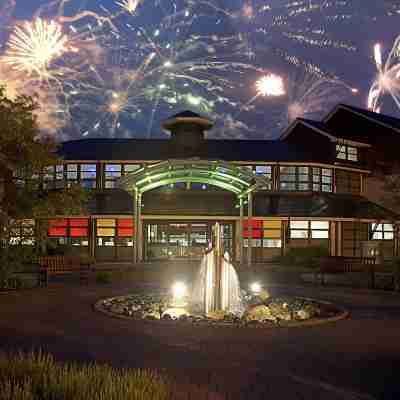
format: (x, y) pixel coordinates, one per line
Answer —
(179, 290)
(255, 287)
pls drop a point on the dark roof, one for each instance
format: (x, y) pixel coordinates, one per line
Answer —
(353, 123)
(319, 205)
(382, 118)
(159, 149)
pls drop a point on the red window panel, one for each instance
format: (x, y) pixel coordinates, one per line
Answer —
(58, 222)
(255, 233)
(57, 232)
(78, 232)
(125, 223)
(125, 232)
(255, 223)
(78, 222)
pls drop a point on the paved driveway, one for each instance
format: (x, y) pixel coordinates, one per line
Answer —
(358, 358)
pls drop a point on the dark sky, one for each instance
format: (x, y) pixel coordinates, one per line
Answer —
(269, 40)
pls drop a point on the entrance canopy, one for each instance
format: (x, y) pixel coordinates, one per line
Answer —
(213, 172)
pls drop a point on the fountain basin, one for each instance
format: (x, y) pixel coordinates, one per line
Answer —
(258, 312)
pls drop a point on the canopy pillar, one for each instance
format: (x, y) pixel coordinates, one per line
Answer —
(241, 231)
(250, 227)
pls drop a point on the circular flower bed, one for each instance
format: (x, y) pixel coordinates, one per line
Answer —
(260, 310)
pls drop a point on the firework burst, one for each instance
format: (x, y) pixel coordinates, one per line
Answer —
(388, 78)
(33, 46)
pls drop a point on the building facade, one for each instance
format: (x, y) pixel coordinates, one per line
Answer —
(158, 199)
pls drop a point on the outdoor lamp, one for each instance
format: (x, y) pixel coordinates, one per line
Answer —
(255, 287)
(179, 290)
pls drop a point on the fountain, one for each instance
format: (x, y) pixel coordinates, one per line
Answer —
(217, 287)
(216, 297)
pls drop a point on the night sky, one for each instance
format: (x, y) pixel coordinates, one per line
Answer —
(114, 86)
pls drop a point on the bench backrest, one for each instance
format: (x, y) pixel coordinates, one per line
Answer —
(346, 264)
(59, 263)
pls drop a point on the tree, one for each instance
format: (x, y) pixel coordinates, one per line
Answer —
(24, 156)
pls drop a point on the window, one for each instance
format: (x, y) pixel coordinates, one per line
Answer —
(110, 231)
(309, 229)
(53, 177)
(344, 152)
(294, 178)
(381, 231)
(72, 173)
(22, 232)
(264, 171)
(112, 173)
(74, 231)
(322, 180)
(88, 176)
(272, 234)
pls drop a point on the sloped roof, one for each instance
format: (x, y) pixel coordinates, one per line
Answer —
(324, 205)
(353, 123)
(382, 118)
(160, 149)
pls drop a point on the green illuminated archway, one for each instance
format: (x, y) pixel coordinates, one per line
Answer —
(218, 173)
(233, 178)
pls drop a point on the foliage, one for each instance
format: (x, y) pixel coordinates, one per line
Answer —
(37, 376)
(24, 155)
(103, 277)
(303, 256)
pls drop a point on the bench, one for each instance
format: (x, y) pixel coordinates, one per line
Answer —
(344, 264)
(62, 265)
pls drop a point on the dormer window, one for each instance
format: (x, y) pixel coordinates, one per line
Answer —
(345, 152)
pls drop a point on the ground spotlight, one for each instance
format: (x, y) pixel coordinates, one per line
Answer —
(179, 290)
(255, 287)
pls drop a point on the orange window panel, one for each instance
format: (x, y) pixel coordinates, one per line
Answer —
(57, 231)
(58, 222)
(125, 232)
(79, 222)
(125, 223)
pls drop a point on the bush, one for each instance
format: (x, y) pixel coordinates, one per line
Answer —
(103, 277)
(307, 257)
(36, 376)
(15, 259)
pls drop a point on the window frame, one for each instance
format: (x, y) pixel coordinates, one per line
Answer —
(298, 184)
(309, 229)
(347, 152)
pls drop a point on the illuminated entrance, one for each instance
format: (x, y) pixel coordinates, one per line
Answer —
(183, 239)
(240, 181)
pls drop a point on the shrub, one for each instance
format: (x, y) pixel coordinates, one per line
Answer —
(37, 376)
(303, 256)
(103, 277)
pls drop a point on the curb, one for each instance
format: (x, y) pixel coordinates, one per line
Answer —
(343, 314)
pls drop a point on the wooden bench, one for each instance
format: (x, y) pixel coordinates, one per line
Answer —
(343, 264)
(63, 265)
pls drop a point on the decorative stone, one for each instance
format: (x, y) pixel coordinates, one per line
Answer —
(258, 313)
(176, 312)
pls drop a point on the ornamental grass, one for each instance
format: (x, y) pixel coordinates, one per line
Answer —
(34, 376)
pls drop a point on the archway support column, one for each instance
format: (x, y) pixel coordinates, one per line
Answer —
(241, 231)
(250, 227)
(139, 233)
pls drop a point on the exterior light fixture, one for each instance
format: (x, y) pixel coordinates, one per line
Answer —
(179, 290)
(255, 287)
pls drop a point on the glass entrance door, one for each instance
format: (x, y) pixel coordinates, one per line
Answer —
(169, 240)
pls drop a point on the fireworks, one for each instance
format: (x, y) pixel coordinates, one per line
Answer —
(388, 79)
(128, 5)
(270, 85)
(33, 46)
(310, 96)
(117, 68)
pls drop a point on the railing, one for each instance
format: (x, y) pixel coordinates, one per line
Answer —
(343, 264)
